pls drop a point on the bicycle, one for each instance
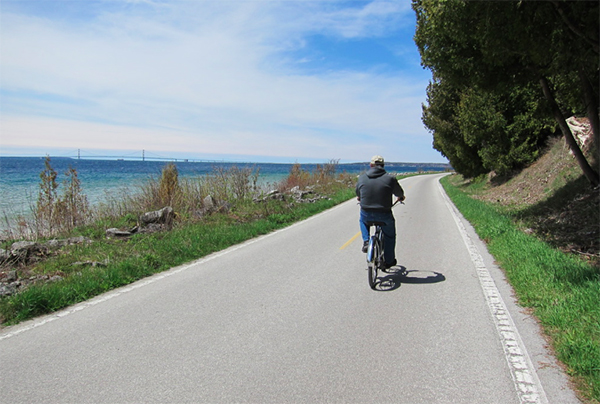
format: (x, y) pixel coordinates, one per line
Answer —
(375, 256)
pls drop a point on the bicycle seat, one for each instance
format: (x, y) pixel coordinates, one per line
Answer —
(369, 224)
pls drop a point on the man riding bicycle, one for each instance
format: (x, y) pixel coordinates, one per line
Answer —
(374, 191)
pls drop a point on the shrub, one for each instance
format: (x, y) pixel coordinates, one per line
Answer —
(45, 212)
(323, 179)
(55, 213)
(73, 206)
(168, 188)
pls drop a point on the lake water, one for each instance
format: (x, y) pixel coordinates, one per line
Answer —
(20, 176)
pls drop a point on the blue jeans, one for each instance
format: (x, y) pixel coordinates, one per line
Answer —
(389, 231)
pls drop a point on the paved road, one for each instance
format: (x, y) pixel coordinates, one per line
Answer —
(289, 318)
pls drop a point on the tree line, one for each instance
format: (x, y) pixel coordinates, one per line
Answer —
(505, 76)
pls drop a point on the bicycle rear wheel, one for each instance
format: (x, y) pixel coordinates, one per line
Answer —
(374, 256)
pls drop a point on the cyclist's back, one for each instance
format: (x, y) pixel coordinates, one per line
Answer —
(374, 190)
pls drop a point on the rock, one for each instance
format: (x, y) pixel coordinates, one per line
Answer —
(164, 216)
(78, 240)
(300, 194)
(152, 228)
(11, 276)
(56, 244)
(7, 290)
(114, 232)
(274, 194)
(26, 247)
(155, 221)
(209, 203)
(89, 263)
(582, 132)
(28, 250)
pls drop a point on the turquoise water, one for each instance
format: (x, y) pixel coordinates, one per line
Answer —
(20, 176)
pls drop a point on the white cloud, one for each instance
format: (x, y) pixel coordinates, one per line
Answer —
(207, 76)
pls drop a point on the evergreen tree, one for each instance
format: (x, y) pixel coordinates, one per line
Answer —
(503, 57)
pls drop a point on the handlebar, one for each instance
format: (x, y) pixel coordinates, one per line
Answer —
(398, 200)
(394, 204)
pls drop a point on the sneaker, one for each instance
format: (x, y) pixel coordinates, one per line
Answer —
(365, 246)
(391, 264)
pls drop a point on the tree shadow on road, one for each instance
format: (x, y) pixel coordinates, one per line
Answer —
(398, 275)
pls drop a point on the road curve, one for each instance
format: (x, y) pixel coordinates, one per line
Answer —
(290, 318)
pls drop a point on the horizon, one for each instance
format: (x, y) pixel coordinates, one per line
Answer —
(199, 160)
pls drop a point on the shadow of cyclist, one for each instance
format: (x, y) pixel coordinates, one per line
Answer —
(398, 275)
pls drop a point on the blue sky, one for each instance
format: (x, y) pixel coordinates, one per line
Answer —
(237, 80)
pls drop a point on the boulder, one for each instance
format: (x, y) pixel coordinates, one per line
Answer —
(27, 250)
(162, 216)
(209, 203)
(153, 228)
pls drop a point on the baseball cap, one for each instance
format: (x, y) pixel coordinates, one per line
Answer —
(377, 160)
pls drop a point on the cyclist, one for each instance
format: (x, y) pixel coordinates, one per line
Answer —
(374, 191)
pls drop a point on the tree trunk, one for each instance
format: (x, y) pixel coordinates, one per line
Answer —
(588, 171)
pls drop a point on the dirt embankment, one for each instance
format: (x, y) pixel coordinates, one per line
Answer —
(555, 201)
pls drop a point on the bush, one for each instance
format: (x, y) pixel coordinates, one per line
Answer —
(168, 188)
(55, 214)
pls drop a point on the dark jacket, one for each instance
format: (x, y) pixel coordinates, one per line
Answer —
(375, 188)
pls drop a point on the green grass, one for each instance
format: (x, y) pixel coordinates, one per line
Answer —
(562, 290)
(143, 255)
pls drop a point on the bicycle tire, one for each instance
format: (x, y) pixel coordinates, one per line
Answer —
(374, 257)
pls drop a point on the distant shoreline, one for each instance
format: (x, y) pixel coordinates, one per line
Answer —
(194, 160)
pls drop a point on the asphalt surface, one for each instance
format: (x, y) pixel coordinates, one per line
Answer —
(290, 318)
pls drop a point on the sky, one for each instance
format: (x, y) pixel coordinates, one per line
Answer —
(236, 80)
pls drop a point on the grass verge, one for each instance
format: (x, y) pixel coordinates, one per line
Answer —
(562, 291)
(143, 255)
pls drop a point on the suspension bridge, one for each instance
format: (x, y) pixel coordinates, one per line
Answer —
(143, 156)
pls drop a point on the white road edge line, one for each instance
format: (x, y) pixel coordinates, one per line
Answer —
(19, 329)
(528, 386)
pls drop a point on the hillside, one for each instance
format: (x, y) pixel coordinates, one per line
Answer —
(554, 201)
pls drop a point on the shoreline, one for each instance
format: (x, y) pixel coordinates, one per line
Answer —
(104, 183)
(21, 204)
